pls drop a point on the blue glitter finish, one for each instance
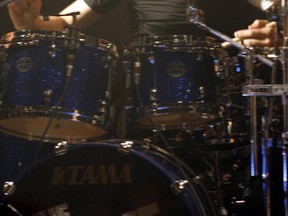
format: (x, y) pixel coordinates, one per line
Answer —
(177, 76)
(32, 71)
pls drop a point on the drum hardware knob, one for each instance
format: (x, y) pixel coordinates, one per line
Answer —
(184, 126)
(179, 186)
(102, 106)
(200, 57)
(201, 97)
(221, 111)
(72, 32)
(8, 188)
(2, 54)
(153, 95)
(61, 148)
(52, 50)
(223, 211)
(107, 96)
(125, 147)
(218, 68)
(47, 96)
(137, 70)
(151, 59)
(154, 107)
(163, 127)
(284, 137)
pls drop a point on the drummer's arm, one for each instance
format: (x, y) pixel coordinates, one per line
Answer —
(22, 16)
(86, 17)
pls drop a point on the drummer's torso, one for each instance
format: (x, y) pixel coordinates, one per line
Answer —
(160, 17)
(155, 16)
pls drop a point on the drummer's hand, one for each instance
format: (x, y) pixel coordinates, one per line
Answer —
(259, 33)
(24, 13)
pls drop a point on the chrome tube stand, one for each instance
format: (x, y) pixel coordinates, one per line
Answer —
(284, 61)
(254, 90)
(255, 143)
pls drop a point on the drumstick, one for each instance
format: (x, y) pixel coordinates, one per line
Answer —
(228, 44)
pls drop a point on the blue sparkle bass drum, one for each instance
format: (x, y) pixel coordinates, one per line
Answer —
(116, 178)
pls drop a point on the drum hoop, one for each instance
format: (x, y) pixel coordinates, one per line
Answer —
(64, 114)
(197, 193)
(177, 43)
(33, 37)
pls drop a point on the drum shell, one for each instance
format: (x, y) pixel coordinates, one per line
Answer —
(174, 82)
(136, 180)
(38, 84)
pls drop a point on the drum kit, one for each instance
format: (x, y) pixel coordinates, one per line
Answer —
(204, 134)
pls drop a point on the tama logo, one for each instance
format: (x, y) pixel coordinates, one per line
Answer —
(91, 174)
(176, 69)
(24, 64)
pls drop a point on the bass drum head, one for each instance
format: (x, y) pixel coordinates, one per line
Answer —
(98, 179)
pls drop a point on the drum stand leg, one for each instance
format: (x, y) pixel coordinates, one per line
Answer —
(222, 210)
(259, 170)
(273, 179)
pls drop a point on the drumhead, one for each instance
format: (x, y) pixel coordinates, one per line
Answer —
(99, 179)
(41, 101)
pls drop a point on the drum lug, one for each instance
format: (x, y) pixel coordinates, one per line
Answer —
(61, 148)
(8, 188)
(47, 96)
(125, 147)
(153, 95)
(179, 186)
(153, 99)
(201, 90)
(103, 109)
(52, 50)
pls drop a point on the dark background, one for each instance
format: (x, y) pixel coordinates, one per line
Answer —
(225, 16)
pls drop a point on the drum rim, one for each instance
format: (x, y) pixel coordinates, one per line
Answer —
(64, 114)
(182, 43)
(32, 37)
(193, 193)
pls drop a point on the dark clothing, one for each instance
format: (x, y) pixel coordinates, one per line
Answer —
(6, 23)
(160, 17)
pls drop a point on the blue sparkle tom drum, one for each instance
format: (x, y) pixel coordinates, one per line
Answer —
(175, 81)
(52, 91)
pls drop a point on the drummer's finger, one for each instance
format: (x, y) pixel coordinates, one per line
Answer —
(18, 6)
(258, 23)
(259, 33)
(258, 42)
(35, 4)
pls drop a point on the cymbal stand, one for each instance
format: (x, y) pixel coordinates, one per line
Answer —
(255, 172)
(250, 56)
(284, 58)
